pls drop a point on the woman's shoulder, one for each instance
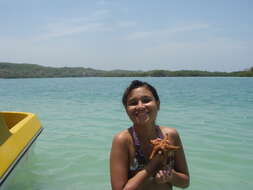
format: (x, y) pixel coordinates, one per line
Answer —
(169, 130)
(172, 132)
(122, 137)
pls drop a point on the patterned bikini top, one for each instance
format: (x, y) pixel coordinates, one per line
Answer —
(139, 160)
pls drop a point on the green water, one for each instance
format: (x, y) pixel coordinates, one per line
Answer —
(214, 117)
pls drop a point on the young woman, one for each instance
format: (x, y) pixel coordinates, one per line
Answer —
(130, 166)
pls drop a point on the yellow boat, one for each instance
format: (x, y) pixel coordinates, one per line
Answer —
(18, 131)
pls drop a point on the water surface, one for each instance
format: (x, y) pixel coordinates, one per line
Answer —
(214, 117)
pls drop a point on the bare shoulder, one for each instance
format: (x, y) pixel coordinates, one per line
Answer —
(173, 134)
(122, 137)
(169, 130)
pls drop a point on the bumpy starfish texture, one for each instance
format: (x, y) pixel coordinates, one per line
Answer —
(162, 145)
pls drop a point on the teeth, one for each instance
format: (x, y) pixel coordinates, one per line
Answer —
(141, 113)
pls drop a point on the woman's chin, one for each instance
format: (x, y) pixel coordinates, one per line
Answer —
(142, 121)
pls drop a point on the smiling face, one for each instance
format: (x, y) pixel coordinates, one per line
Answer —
(141, 106)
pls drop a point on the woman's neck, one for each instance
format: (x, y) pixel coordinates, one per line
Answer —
(146, 132)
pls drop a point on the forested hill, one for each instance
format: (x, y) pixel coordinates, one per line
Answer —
(14, 70)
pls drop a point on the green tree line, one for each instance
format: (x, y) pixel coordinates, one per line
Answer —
(24, 70)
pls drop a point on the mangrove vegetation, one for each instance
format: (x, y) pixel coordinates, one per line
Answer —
(24, 70)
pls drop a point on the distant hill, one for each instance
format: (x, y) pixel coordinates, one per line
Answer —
(24, 70)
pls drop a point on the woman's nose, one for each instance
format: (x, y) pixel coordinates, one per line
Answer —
(140, 104)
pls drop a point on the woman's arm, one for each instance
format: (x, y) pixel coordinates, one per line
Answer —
(119, 166)
(119, 162)
(180, 175)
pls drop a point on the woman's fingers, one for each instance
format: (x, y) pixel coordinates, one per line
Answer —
(161, 177)
(158, 177)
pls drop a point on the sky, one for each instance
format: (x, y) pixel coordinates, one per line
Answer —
(210, 35)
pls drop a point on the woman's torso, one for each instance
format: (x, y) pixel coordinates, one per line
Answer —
(139, 158)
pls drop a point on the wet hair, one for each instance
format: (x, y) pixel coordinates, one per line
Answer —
(136, 84)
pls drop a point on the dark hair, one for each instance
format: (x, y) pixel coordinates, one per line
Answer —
(136, 84)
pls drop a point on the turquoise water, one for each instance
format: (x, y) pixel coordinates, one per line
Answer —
(214, 117)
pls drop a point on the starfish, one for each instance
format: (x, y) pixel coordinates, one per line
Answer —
(162, 145)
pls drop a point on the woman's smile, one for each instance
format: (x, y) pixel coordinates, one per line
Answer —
(142, 115)
(142, 106)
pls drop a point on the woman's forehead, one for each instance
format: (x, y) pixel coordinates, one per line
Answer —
(140, 91)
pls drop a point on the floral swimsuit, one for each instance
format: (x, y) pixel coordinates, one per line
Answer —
(139, 160)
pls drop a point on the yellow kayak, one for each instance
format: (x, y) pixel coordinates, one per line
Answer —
(18, 131)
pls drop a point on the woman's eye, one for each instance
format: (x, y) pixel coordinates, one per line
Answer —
(132, 103)
(146, 100)
(143, 100)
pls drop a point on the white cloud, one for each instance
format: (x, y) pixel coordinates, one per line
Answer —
(61, 30)
(214, 54)
(70, 26)
(127, 24)
(99, 15)
(167, 31)
(217, 54)
(101, 2)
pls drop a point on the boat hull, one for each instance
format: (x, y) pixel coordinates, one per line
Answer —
(19, 131)
(21, 175)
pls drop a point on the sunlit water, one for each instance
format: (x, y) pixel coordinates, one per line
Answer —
(214, 117)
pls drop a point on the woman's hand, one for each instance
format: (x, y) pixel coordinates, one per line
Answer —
(163, 176)
(159, 160)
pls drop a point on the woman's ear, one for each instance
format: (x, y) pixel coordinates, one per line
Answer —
(158, 105)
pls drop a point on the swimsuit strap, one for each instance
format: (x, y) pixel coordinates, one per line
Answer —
(137, 144)
(139, 160)
(138, 152)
